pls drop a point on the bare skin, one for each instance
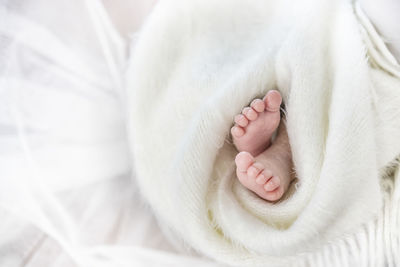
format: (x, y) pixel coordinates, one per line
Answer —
(263, 167)
(253, 128)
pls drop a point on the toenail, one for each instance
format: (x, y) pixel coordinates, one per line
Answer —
(258, 105)
(274, 96)
(245, 110)
(275, 181)
(273, 110)
(237, 131)
(267, 173)
(269, 187)
(261, 179)
(251, 114)
(253, 171)
(241, 120)
(272, 184)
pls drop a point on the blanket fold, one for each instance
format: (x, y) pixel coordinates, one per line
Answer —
(198, 63)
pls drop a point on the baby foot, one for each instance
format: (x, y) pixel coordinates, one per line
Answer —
(253, 128)
(269, 174)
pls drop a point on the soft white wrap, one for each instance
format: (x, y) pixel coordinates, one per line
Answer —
(198, 63)
(67, 197)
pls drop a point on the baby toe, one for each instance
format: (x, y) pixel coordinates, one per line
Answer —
(258, 105)
(273, 101)
(250, 113)
(275, 194)
(254, 170)
(237, 131)
(261, 179)
(243, 161)
(272, 184)
(241, 120)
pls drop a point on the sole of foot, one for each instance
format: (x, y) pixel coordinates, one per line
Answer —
(256, 124)
(269, 174)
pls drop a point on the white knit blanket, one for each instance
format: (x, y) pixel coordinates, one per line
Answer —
(199, 62)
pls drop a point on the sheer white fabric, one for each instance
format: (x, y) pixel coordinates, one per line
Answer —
(66, 193)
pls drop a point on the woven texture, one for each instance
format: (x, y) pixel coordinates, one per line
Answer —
(198, 63)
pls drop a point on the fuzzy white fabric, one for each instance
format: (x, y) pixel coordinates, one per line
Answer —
(67, 192)
(198, 63)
